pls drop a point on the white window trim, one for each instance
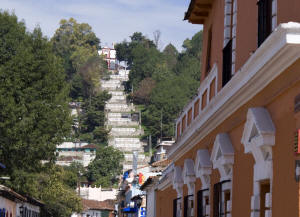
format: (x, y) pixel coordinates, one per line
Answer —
(203, 167)
(222, 158)
(178, 186)
(258, 139)
(230, 31)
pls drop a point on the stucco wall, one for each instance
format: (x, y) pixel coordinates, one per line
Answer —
(278, 99)
(164, 202)
(9, 205)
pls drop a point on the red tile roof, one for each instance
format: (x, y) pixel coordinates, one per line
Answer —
(91, 146)
(98, 205)
(161, 163)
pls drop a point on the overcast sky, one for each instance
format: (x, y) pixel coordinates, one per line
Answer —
(111, 20)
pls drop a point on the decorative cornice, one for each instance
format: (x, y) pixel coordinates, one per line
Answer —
(280, 50)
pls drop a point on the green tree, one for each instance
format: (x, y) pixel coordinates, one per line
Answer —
(34, 114)
(171, 55)
(78, 46)
(106, 167)
(163, 82)
(49, 187)
(92, 119)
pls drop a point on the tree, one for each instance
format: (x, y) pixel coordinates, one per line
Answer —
(106, 167)
(142, 95)
(171, 55)
(48, 186)
(156, 36)
(92, 119)
(125, 50)
(34, 114)
(34, 117)
(78, 46)
(163, 82)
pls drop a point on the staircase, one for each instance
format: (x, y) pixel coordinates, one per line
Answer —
(124, 130)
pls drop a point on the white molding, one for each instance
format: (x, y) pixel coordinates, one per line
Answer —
(280, 50)
(222, 156)
(188, 175)
(205, 85)
(258, 139)
(203, 167)
(166, 179)
(178, 181)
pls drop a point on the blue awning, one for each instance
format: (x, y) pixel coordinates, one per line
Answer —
(2, 165)
(130, 210)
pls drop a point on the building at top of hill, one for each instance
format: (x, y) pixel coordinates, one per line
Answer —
(110, 56)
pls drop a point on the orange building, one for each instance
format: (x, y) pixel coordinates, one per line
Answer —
(237, 149)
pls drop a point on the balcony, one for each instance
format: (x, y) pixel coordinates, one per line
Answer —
(206, 93)
(279, 51)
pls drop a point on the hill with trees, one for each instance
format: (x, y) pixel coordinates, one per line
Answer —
(39, 77)
(161, 82)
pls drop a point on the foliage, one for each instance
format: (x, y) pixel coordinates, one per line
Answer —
(162, 82)
(92, 119)
(34, 117)
(48, 186)
(34, 114)
(78, 46)
(171, 55)
(106, 167)
(142, 95)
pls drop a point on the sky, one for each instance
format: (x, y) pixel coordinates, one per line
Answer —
(111, 20)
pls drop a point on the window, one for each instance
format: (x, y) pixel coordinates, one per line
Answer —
(217, 199)
(264, 190)
(264, 20)
(178, 129)
(297, 142)
(188, 205)
(226, 201)
(202, 203)
(208, 54)
(220, 206)
(227, 63)
(183, 124)
(176, 207)
(229, 36)
(189, 120)
(196, 108)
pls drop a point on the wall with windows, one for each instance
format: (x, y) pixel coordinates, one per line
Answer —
(278, 98)
(245, 29)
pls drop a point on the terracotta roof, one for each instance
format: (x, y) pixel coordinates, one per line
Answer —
(161, 163)
(98, 205)
(92, 146)
(7, 192)
(150, 180)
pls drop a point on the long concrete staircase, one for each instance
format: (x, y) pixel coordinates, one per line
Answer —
(124, 130)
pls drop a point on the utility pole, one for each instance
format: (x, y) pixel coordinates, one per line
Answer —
(150, 146)
(140, 118)
(161, 116)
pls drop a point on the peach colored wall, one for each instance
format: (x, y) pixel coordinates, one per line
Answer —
(278, 98)
(164, 202)
(215, 20)
(288, 10)
(246, 31)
